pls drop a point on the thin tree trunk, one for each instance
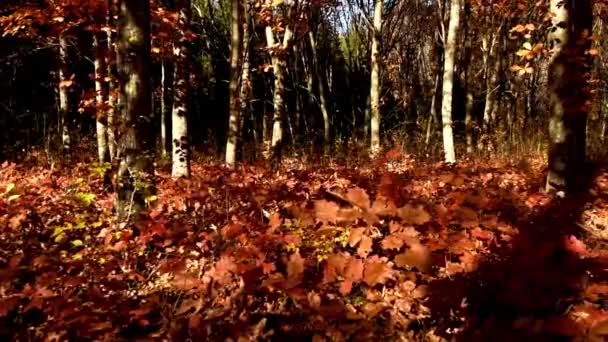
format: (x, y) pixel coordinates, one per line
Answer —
(246, 88)
(235, 73)
(181, 89)
(100, 99)
(448, 82)
(135, 178)
(321, 86)
(165, 107)
(279, 64)
(568, 92)
(432, 113)
(64, 105)
(375, 80)
(112, 83)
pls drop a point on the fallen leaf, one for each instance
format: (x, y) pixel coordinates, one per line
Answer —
(417, 256)
(377, 271)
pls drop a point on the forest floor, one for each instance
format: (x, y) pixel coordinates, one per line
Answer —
(396, 250)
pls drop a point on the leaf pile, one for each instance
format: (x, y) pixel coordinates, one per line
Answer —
(418, 252)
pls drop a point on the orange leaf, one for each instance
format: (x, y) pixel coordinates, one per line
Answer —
(411, 215)
(377, 271)
(365, 247)
(358, 197)
(355, 236)
(417, 256)
(326, 210)
(393, 241)
(295, 270)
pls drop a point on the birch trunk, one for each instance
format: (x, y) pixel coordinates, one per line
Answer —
(448, 82)
(112, 83)
(279, 54)
(236, 45)
(64, 105)
(179, 119)
(100, 99)
(375, 80)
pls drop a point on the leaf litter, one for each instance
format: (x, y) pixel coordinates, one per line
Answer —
(418, 253)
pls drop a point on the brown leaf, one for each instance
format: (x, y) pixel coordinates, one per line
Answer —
(383, 207)
(365, 247)
(295, 270)
(373, 309)
(377, 271)
(334, 266)
(393, 241)
(358, 197)
(417, 256)
(355, 236)
(354, 269)
(411, 215)
(326, 211)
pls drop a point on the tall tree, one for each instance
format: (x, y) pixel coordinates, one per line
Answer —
(100, 98)
(375, 79)
(179, 121)
(569, 40)
(279, 53)
(135, 178)
(112, 77)
(236, 46)
(64, 97)
(321, 88)
(448, 81)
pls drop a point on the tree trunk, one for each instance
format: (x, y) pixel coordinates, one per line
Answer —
(321, 86)
(64, 104)
(432, 113)
(135, 178)
(246, 89)
(448, 82)
(568, 92)
(181, 90)
(165, 107)
(375, 80)
(100, 99)
(236, 45)
(112, 83)
(279, 54)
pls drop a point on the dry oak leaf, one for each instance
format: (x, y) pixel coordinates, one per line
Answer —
(383, 207)
(377, 271)
(358, 197)
(352, 273)
(365, 246)
(334, 266)
(355, 235)
(393, 241)
(326, 211)
(295, 270)
(417, 256)
(413, 215)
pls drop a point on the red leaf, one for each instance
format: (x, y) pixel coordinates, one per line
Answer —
(358, 197)
(326, 211)
(411, 215)
(393, 241)
(365, 247)
(417, 256)
(377, 271)
(355, 236)
(295, 270)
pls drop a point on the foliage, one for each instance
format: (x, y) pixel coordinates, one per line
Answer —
(418, 252)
